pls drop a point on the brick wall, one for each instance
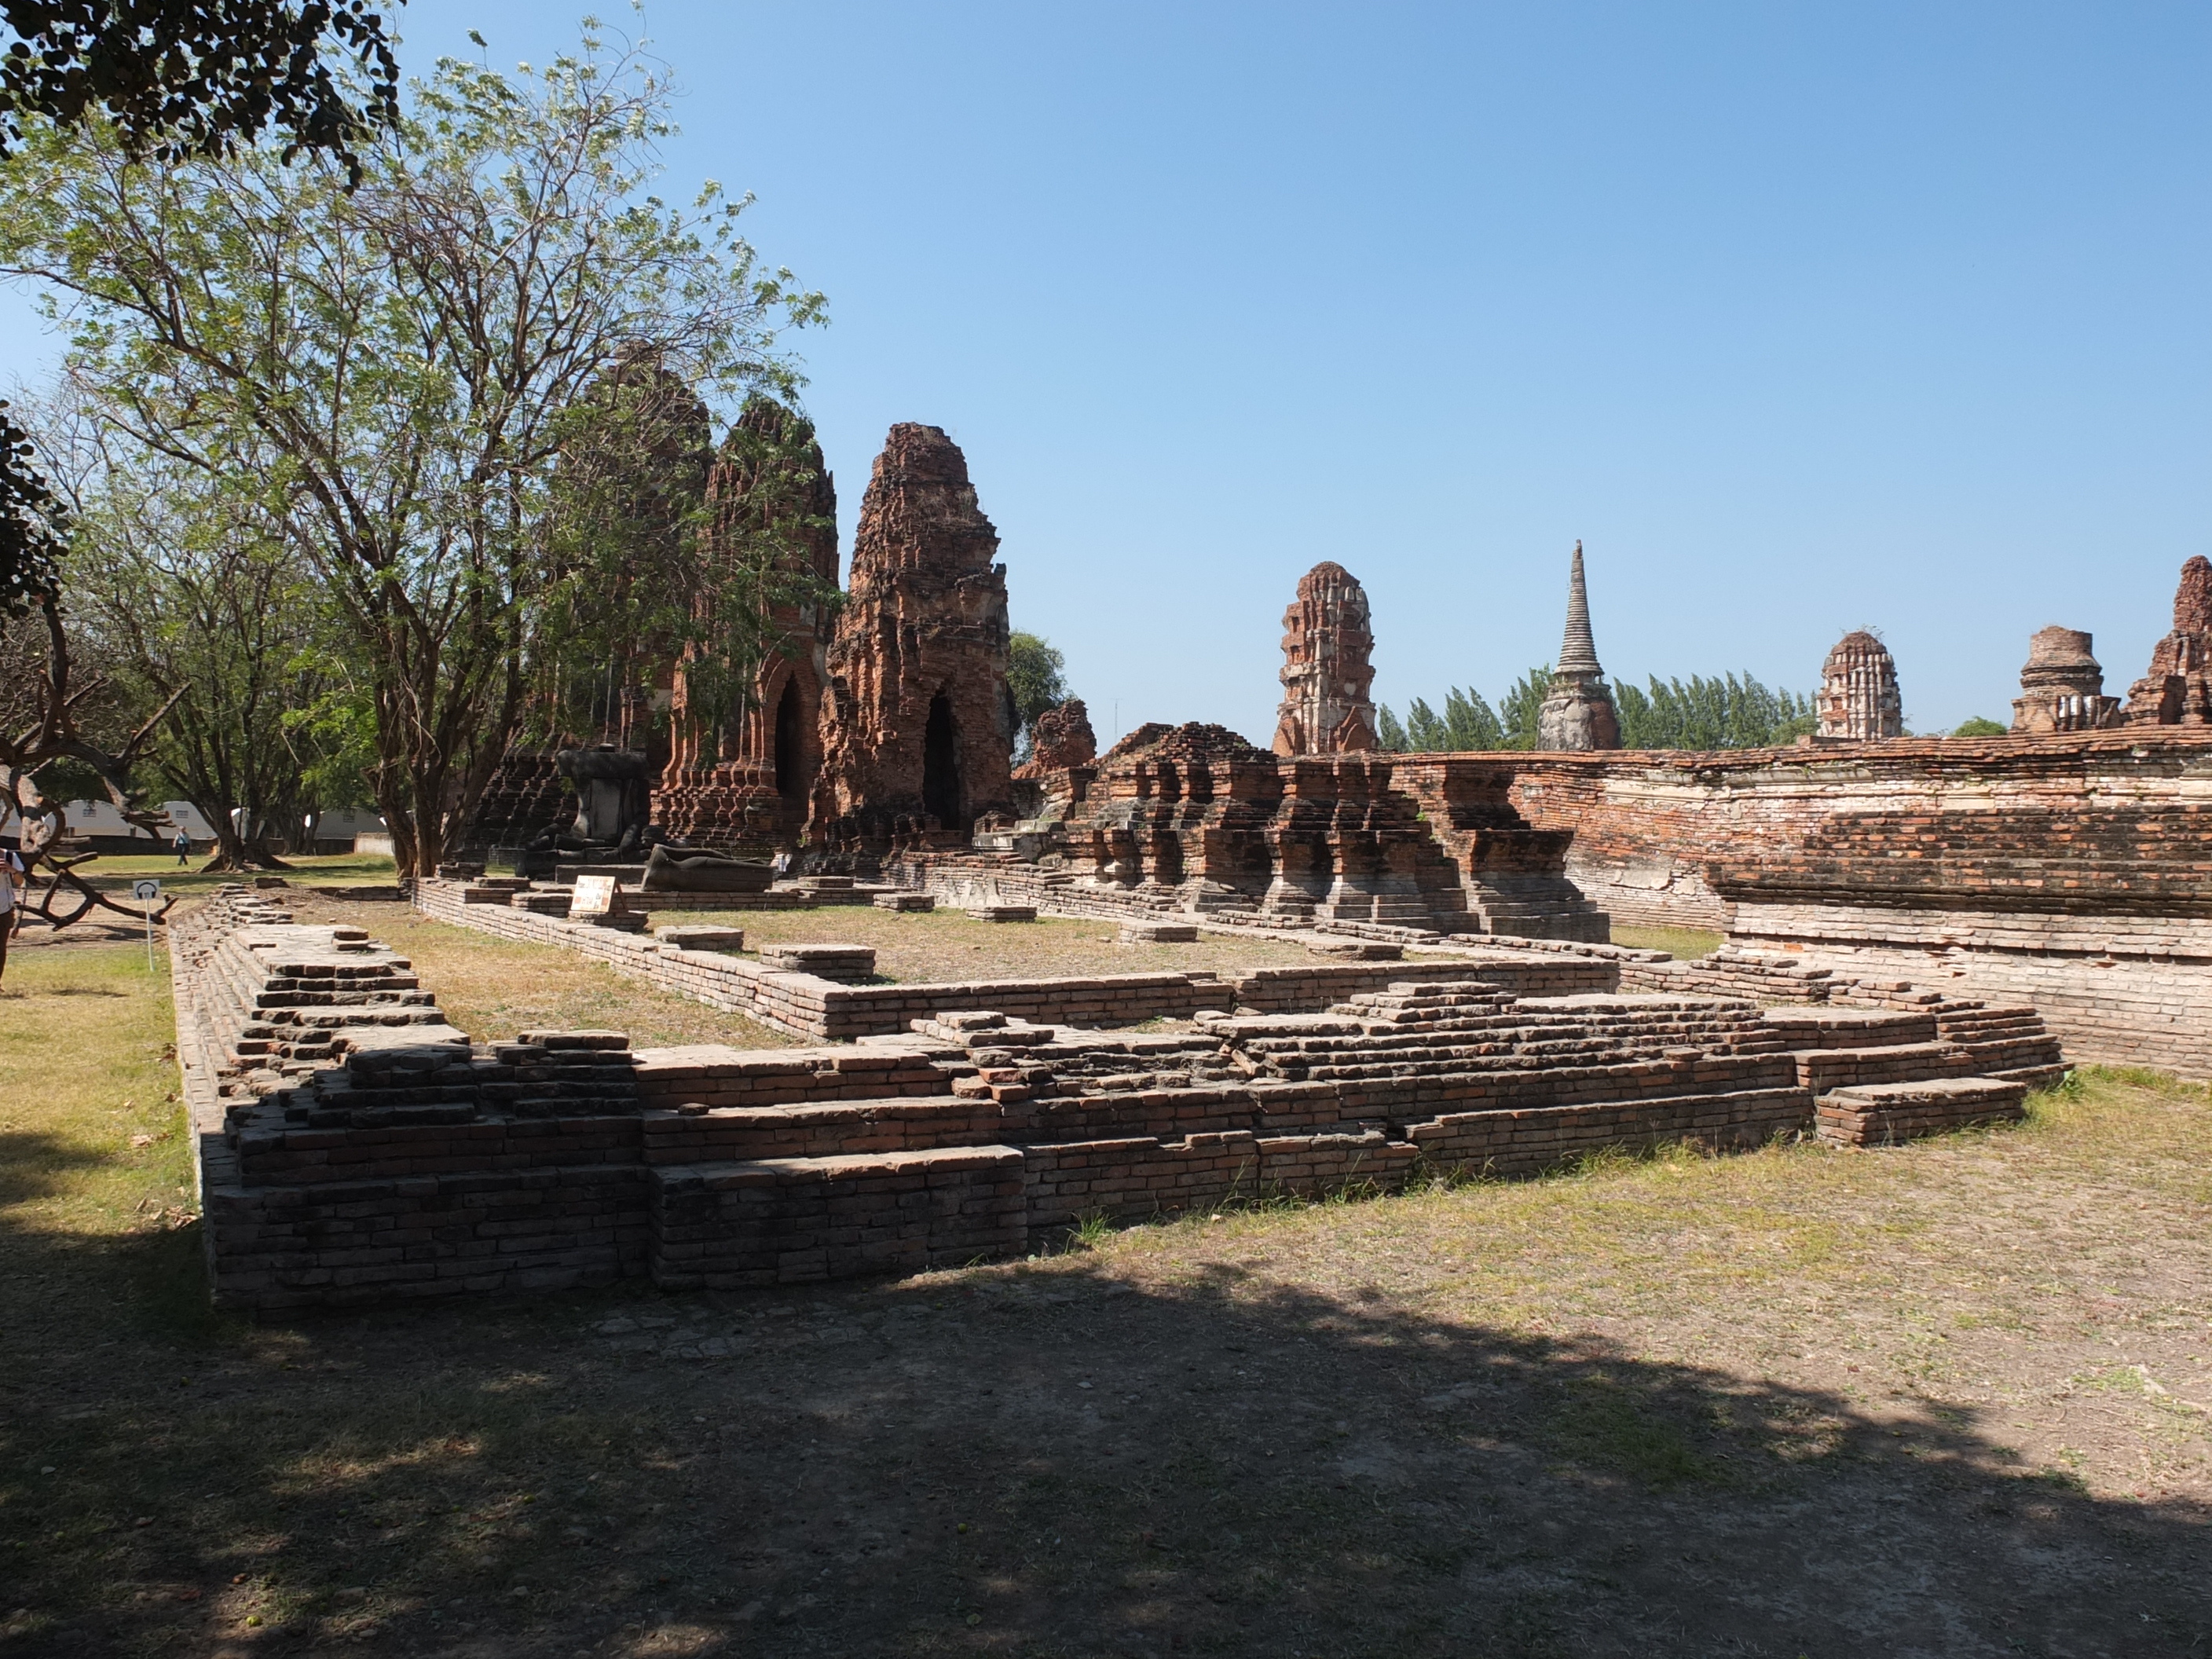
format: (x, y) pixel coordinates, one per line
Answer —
(2071, 871)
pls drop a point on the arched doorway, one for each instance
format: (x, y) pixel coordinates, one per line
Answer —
(940, 765)
(790, 743)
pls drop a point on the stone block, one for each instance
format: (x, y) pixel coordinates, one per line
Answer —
(701, 936)
(903, 901)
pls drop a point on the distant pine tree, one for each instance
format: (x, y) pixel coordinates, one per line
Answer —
(1727, 713)
(1517, 711)
(1389, 736)
(1732, 712)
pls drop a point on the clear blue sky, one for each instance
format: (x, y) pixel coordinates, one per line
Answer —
(1802, 318)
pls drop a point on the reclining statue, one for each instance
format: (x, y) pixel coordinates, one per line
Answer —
(695, 870)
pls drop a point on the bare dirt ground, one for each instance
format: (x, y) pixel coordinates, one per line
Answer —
(936, 947)
(1949, 1399)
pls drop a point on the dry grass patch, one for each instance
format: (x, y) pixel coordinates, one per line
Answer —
(494, 987)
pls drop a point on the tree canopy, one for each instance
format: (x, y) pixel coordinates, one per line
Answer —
(389, 370)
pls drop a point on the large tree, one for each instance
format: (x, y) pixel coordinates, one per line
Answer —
(177, 78)
(195, 596)
(408, 354)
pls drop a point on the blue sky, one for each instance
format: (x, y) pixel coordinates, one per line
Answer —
(1802, 318)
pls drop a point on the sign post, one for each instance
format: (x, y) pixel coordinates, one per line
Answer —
(146, 892)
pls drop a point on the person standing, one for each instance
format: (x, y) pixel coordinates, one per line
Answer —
(183, 846)
(11, 878)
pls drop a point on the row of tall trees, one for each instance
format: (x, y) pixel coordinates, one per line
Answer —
(1468, 722)
(1731, 712)
(358, 449)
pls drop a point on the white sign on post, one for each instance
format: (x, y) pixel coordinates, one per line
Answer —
(146, 891)
(595, 896)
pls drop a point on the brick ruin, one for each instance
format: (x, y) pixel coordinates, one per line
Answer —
(1858, 699)
(2177, 691)
(1913, 925)
(2062, 688)
(889, 723)
(918, 722)
(1193, 819)
(749, 780)
(2069, 870)
(1578, 711)
(355, 1148)
(1327, 642)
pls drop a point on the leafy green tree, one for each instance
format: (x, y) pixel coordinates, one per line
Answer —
(1980, 727)
(1036, 676)
(176, 77)
(210, 616)
(1389, 736)
(407, 355)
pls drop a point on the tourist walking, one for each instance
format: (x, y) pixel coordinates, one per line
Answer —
(183, 846)
(11, 877)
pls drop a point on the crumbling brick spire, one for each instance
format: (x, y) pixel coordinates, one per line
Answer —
(1858, 699)
(1327, 674)
(1578, 711)
(2178, 690)
(918, 724)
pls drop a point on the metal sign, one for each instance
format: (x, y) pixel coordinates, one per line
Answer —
(146, 891)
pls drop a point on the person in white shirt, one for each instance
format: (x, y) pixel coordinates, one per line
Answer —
(11, 881)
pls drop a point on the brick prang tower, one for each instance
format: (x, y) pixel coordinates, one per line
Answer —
(917, 721)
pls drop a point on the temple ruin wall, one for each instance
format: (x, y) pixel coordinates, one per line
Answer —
(2073, 870)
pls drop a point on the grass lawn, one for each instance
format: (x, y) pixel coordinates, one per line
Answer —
(1944, 1401)
(1687, 943)
(111, 871)
(945, 945)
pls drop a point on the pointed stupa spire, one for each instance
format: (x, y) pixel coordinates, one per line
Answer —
(1578, 652)
(1578, 711)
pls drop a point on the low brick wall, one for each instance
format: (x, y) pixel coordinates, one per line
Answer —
(726, 1226)
(1529, 1141)
(808, 1006)
(2116, 991)
(339, 1243)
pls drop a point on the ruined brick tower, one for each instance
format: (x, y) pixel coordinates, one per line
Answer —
(748, 777)
(1578, 711)
(2062, 688)
(1858, 698)
(2178, 690)
(917, 721)
(1327, 642)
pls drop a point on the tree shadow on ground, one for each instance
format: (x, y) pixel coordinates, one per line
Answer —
(1037, 1462)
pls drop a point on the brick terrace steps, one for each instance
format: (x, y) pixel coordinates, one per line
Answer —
(1878, 1115)
(370, 1151)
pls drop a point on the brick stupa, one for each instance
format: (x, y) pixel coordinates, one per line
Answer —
(1578, 711)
